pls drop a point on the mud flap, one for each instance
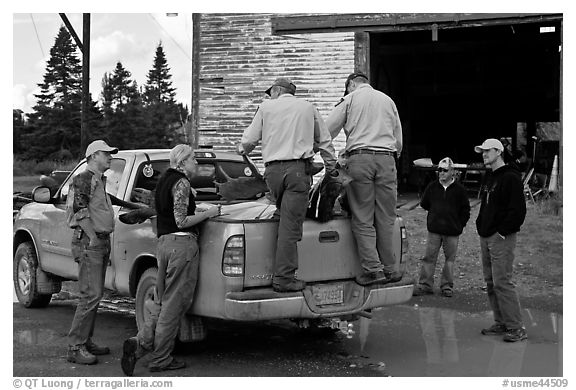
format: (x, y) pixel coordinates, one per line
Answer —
(46, 283)
(192, 328)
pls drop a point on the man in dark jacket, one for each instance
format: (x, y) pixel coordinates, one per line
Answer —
(501, 215)
(448, 212)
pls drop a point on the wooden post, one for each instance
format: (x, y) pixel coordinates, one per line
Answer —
(560, 152)
(362, 53)
(195, 109)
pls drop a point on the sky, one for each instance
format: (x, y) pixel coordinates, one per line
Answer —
(131, 39)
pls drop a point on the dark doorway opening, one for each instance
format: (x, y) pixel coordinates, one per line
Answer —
(468, 85)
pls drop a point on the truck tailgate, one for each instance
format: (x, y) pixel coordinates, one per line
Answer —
(327, 252)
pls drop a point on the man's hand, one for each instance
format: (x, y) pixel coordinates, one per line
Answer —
(142, 195)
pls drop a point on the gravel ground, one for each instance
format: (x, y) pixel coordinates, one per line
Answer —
(537, 267)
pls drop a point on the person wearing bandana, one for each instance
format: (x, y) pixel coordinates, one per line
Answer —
(178, 261)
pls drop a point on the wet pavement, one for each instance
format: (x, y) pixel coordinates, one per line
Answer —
(399, 341)
(428, 341)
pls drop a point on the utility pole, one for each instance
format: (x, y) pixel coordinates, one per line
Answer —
(195, 109)
(85, 49)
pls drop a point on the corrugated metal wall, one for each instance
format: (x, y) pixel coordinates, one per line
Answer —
(240, 58)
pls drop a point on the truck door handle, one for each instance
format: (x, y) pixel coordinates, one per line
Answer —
(328, 236)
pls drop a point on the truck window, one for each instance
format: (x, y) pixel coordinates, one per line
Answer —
(208, 171)
(113, 177)
(203, 182)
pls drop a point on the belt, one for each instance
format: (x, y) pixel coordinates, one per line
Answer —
(370, 151)
(102, 235)
(284, 161)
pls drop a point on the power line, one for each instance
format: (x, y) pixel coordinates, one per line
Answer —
(37, 36)
(170, 36)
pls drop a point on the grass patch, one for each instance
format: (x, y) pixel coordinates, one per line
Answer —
(32, 167)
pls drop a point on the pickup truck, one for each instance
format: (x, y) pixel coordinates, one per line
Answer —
(236, 249)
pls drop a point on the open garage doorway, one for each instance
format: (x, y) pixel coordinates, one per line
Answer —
(455, 87)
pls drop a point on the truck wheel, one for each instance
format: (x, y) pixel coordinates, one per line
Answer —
(25, 277)
(144, 290)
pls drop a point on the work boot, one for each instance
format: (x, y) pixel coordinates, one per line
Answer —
(80, 355)
(174, 365)
(419, 291)
(496, 329)
(368, 278)
(96, 349)
(513, 335)
(447, 293)
(292, 286)
(129, 358)
(393, 277)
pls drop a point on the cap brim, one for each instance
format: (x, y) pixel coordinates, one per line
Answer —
(478, 149)
(268, 91)
(112, 150)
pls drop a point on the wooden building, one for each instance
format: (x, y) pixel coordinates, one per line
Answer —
(456, 78)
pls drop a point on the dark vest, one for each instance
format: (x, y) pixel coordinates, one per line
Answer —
(165, 222)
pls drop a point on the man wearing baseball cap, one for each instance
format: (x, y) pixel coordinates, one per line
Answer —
(373, 131)
(89, 212)
(291, 130)
(448, 212)
(501, 215)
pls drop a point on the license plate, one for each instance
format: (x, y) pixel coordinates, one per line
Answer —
(328, 294)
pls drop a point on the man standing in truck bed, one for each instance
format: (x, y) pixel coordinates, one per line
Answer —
(373, 142)
(291, 130)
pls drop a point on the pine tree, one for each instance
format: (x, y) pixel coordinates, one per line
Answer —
(158, 86)
(162, 112)
(55, 122)
(123, 109)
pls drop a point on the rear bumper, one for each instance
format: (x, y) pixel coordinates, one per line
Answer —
(265, 304)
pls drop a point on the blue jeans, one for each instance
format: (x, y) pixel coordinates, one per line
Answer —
(497, 265)
(289, 184)
(92, 264)
(433, 244)
(372, 199)
(178, 262)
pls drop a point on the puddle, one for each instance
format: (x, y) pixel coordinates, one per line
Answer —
(34, 336)
(425, 341)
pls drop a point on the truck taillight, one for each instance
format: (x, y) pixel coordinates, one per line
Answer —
(233, 257)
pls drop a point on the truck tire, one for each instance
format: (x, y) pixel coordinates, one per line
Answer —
(25, 277)
(144, 290)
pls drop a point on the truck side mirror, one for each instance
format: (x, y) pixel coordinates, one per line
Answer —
(41, 194)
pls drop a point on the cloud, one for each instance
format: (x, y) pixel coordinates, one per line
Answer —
(116, 46)
(23, 97)
(18, 99)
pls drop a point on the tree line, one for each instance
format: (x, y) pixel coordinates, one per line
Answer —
(127, 115)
